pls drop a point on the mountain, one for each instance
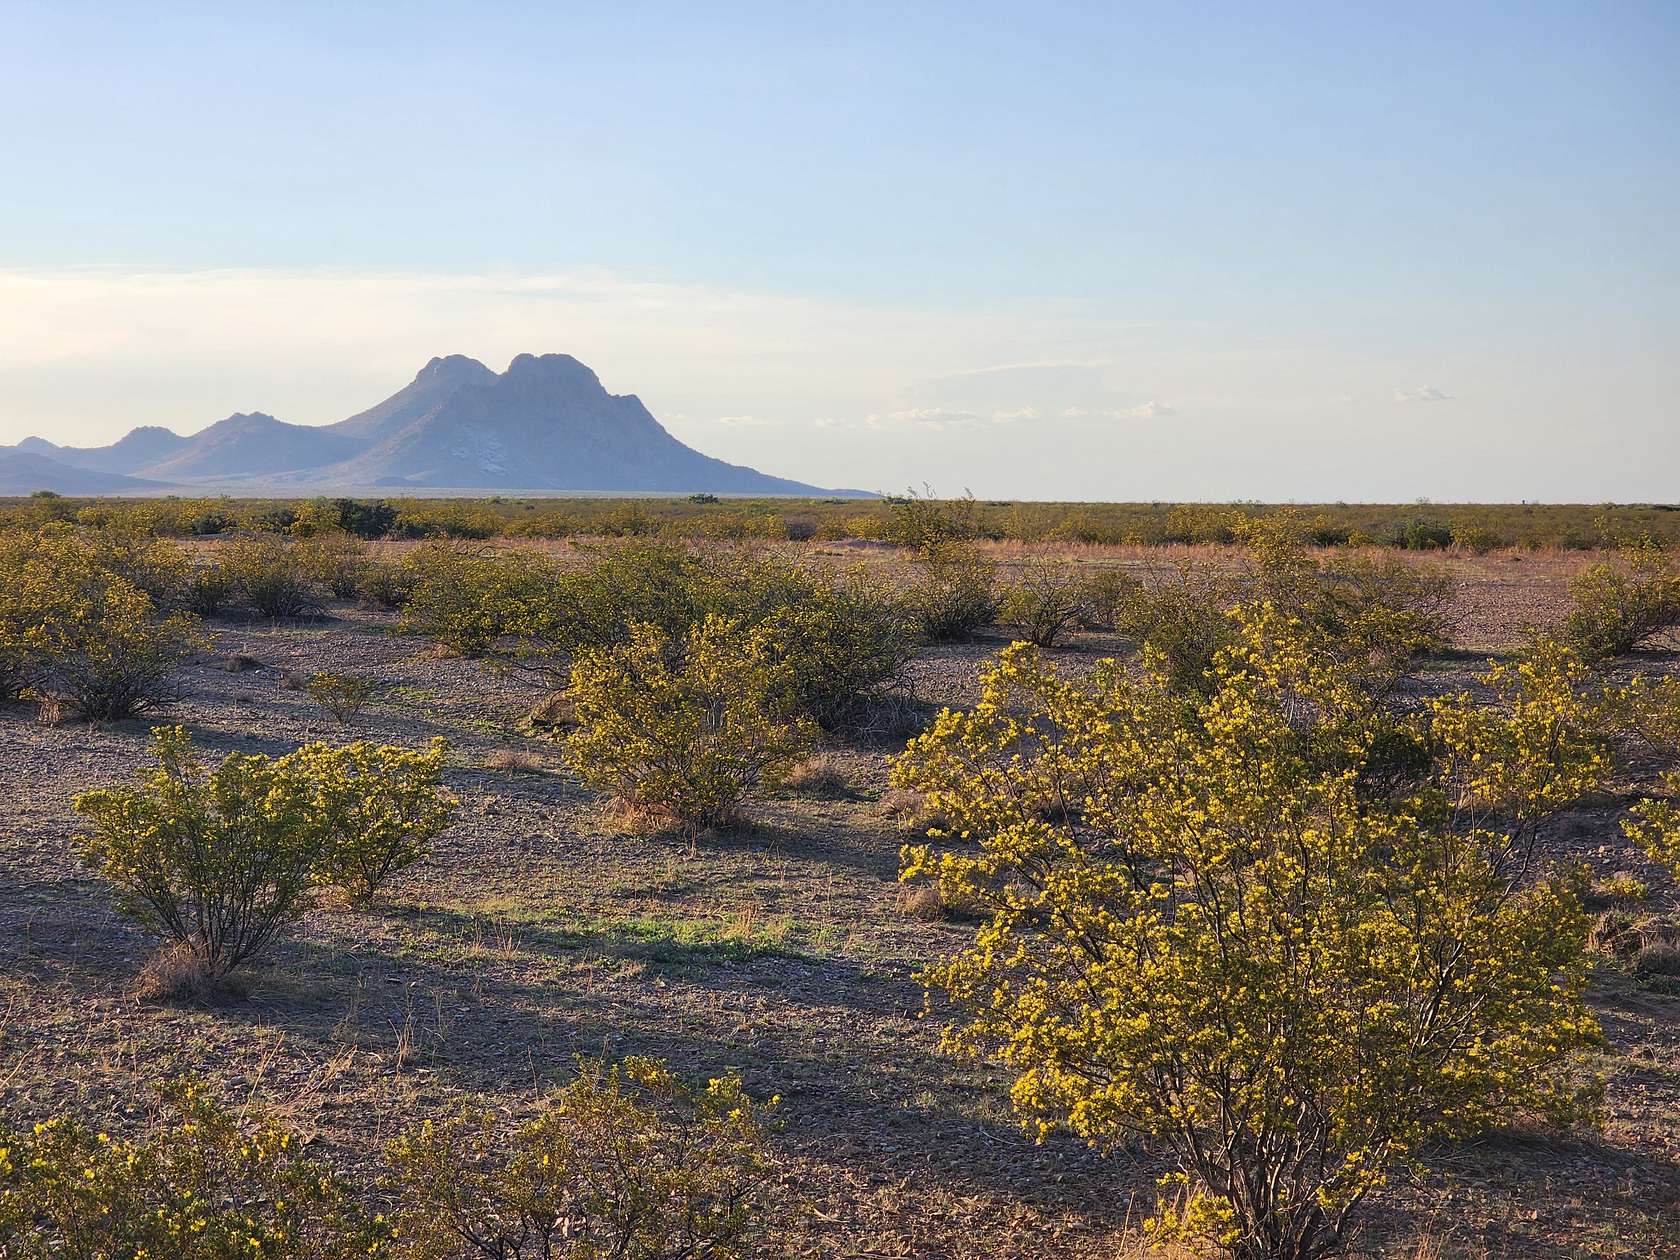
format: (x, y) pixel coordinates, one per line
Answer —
(249, 445)
(25, 471)
(545, 424)
(146, 445)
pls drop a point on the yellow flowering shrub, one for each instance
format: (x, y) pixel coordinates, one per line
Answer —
(627, 1160)
(76, 629)
(1653, 712)
(1203, 928)
(685, 728)
(376, 808)
(201, 1188)
(271, 576)
(1624, 603)
(223, 860)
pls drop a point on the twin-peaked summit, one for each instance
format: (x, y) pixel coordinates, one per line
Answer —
(545, 424)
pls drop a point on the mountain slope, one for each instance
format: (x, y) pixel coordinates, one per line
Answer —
(148, 444)
(435, 382)
(545, 424)
(251, 445)
(24, 472)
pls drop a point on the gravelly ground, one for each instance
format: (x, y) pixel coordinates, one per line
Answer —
(538, 931)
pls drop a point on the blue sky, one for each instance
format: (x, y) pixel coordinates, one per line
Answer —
(1198, 251)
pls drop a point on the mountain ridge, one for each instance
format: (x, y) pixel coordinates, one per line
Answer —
(546, 424)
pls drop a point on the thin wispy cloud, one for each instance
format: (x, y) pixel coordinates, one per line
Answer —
(1151, 410)
(1423, 393)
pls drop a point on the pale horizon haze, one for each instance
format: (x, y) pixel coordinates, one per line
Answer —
(1108, 252)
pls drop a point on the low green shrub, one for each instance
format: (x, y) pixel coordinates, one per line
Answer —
(387, 584)
(1044, 600)
(684, 729)
(342, 695)
(208, 590)
(627, 1161)
(86, 636)
(271, 577)
(334, 560)
(223, 860)
(953, 592)
(1182, 623)
(468, 601)
(842, 643)
(1623, 604)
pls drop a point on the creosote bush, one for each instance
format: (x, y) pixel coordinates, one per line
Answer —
(342, 695)
(376, 809)
(201, 1188)
(953, 591)
(1653, 710)
(271, 577)
(75, 630)
(1048, 597)
(627, 1160)
(685, 728)
(223, 860)
(467, 600)
(1201, 932)
(1623, 604)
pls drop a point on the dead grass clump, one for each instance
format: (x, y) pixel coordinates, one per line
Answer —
(907, 810)
(921, 901)
(237, 663)
(1614, 933)
(512, 761)
(1657, 958)
(50, 711)
(178, 973)
(296, 680)
(552, 716)
(821, 774)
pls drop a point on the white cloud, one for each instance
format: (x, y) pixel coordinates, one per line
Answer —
(936, 417)
(1423, 393)
(1009, 417)
(1074, 413)
(1145, 411)
(747, 421)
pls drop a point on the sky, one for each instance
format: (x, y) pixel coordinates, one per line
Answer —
(1056, 251)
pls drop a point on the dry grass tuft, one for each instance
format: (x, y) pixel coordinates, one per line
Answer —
(907, 810)
(177, 974)
(822, 774)
(552, 716)
(921, 901)
(296, 680)
(237, 663)
(512, 761)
